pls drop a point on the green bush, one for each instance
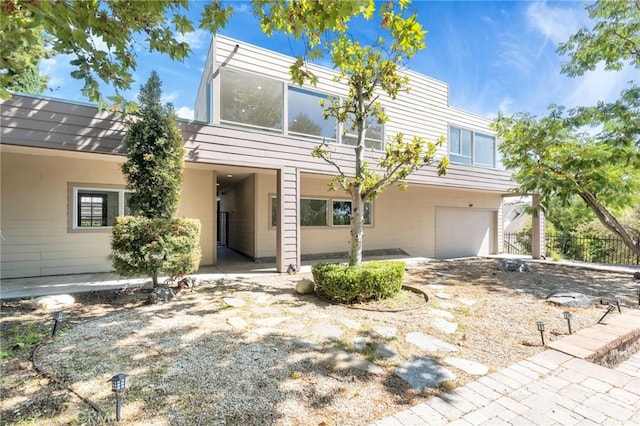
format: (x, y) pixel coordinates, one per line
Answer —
(352, 284)
(143, 246)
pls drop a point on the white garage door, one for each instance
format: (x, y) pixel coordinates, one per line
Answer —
(463, 232)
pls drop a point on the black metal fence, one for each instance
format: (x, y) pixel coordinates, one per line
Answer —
(582, 247)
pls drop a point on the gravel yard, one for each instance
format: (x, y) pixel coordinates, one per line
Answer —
(251, 351)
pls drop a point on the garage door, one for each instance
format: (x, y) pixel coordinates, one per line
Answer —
(463, 232)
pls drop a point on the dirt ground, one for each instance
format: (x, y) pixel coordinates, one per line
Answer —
(275, 357)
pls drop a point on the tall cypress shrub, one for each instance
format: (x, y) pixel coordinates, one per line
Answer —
(153, 240)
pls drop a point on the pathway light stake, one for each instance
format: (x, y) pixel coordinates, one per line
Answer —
(57, 319)
(638, 298)
(540, 326)
(118, 383)
(610, 309)
(616, 300)
(567, 316)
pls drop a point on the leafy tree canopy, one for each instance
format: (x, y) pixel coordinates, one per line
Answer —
(102, 36)
(369, 71)
(590, 152)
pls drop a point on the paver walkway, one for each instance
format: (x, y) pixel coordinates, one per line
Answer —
(551, 387)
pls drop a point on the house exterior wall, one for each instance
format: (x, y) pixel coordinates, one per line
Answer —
(36, 239)
(401, 219)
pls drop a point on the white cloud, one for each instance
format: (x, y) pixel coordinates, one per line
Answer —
(169, 97)
(195, 39)
(600, 85)
(555, 23)
(505, 105)
(185, 112)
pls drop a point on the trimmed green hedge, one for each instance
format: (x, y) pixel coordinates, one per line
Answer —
(353, 284)
(143, 246)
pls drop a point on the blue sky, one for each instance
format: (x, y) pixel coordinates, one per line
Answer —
(495, 56)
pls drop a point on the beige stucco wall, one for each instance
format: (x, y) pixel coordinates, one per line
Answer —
(401, 219)
(34, 213)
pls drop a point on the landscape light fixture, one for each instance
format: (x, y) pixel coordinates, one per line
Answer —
(638, 297)
(118, 384)
(616, 300)
(567, 316)
(57, 319)
(540, 326)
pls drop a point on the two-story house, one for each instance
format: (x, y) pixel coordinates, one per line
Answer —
(249, 176)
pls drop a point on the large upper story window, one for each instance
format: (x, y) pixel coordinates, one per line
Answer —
(468, 147)
(373, 137)
(251, 100)
(305, 115)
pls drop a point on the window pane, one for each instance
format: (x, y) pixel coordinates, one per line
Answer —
(341, 213)
(465, 142)
(459, 159)
(373, 135)
(454, 140)
(367, 213)
(274, 211)
(313, 212)
(97, 208)
(306, 116)
(484, 150)
(251, 100)
(127, 198)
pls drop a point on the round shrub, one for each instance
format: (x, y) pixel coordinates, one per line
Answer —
(353, 284)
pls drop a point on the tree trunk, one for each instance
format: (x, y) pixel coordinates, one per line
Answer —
(357, 228)
(610, 222)
(154, 279)
(357, 204)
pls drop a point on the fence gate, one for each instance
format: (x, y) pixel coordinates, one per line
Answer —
(223, 229)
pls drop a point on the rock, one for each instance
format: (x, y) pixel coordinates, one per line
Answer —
(636, 275)
(440, 313)
(354, 325)
(341, 360)
(188, 282)
(444, 326)
(423, 372)
(233, 301)
(385, 352)
(359, 343)
(385, 332)
(465, 301)
(160, 294)
(270, 322)
(570, 299)
(513, 265)
(327, 330)
(470, 367)
(53, 302)
(429, 343)
(237, 322)
(305, 286)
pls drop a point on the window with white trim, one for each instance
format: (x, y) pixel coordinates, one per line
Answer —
(472, 148)
(98, 207)
(313, 212)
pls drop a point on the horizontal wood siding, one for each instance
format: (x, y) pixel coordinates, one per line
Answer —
(288, 230)
(200, 107)
(35, 211)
